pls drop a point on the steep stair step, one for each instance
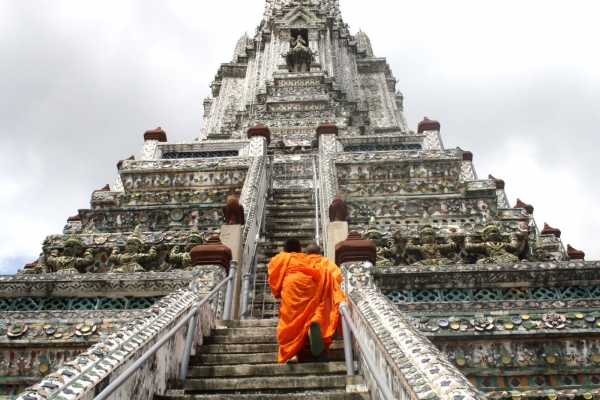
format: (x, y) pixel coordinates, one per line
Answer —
(261, 330)
(298, 207)
(293, 200)
(305, 395)
(266, 370)
(272, 383)
(259, 358)
(287, 219)
(298, 196)
(291, 225)
(242, 339)
(300, 234)
(244, 324)
(252, 348)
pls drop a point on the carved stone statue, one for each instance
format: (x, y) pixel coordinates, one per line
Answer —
(184, 258)
(233, 211)
(429, 250)
(338, 211)
(386, 247)
(69, 262)
(134, 255)
(495, 250)
(300, 55)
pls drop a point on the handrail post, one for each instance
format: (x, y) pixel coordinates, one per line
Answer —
(348, 347)
(383, 386)
(246, 293)
(316, 191)
(229, 292)
(189, 341)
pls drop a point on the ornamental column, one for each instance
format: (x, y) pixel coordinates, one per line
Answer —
(284, 39)
(356, 256)
(211, 265)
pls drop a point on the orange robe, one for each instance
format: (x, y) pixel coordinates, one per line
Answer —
(314, 259)
(308, 294)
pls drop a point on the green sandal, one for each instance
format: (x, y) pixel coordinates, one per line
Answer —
(316, 340)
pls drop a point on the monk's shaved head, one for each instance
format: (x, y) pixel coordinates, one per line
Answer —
(292, 245)
(313, 249)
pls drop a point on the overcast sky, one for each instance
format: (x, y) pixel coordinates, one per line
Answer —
(517, 82)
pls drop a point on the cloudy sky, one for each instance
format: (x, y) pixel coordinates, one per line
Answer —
(517, 82)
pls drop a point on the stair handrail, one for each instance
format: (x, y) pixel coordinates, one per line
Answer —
(316, 192)
(270, 191)
(348, 327)
(192, 317)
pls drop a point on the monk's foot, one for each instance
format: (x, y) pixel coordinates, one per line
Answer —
(316, 340)
(293, 360)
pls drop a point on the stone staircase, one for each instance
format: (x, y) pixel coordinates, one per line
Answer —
(239, 361)
(288, 215)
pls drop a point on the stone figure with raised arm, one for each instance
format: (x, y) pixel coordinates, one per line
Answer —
(184, 259)
(70, 262)
(386, 247)
(495, 250)
(134, 255)
(429, 250)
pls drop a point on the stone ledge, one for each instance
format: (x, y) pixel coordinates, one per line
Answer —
(89, 285)
(468, 276)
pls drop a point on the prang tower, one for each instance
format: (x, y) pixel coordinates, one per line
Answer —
(458, 294)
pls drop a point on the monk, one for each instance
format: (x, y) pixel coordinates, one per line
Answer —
(310, 297)
(313, 254)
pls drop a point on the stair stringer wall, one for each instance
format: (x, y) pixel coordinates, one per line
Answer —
(410, 364)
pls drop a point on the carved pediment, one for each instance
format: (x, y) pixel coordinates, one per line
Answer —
(300, 16)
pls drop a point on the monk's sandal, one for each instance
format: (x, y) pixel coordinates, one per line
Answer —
(316, 340)
(293, 360)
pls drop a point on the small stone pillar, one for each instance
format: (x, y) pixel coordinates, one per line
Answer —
(527, 207)
(467, 155)
(231, 236)
(211, 266)
(575, 254)
(428, 125)
(234, 211)
(156, 134)
(500, 184)
(338, 211)
(260, 130)
(337, 232)
(548, 230)
(326, 128)
(355, 256)
(337, 227)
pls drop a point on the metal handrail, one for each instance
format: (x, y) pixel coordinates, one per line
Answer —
(316, 191)
(270, 176)
(347, 323)
(191, 316)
